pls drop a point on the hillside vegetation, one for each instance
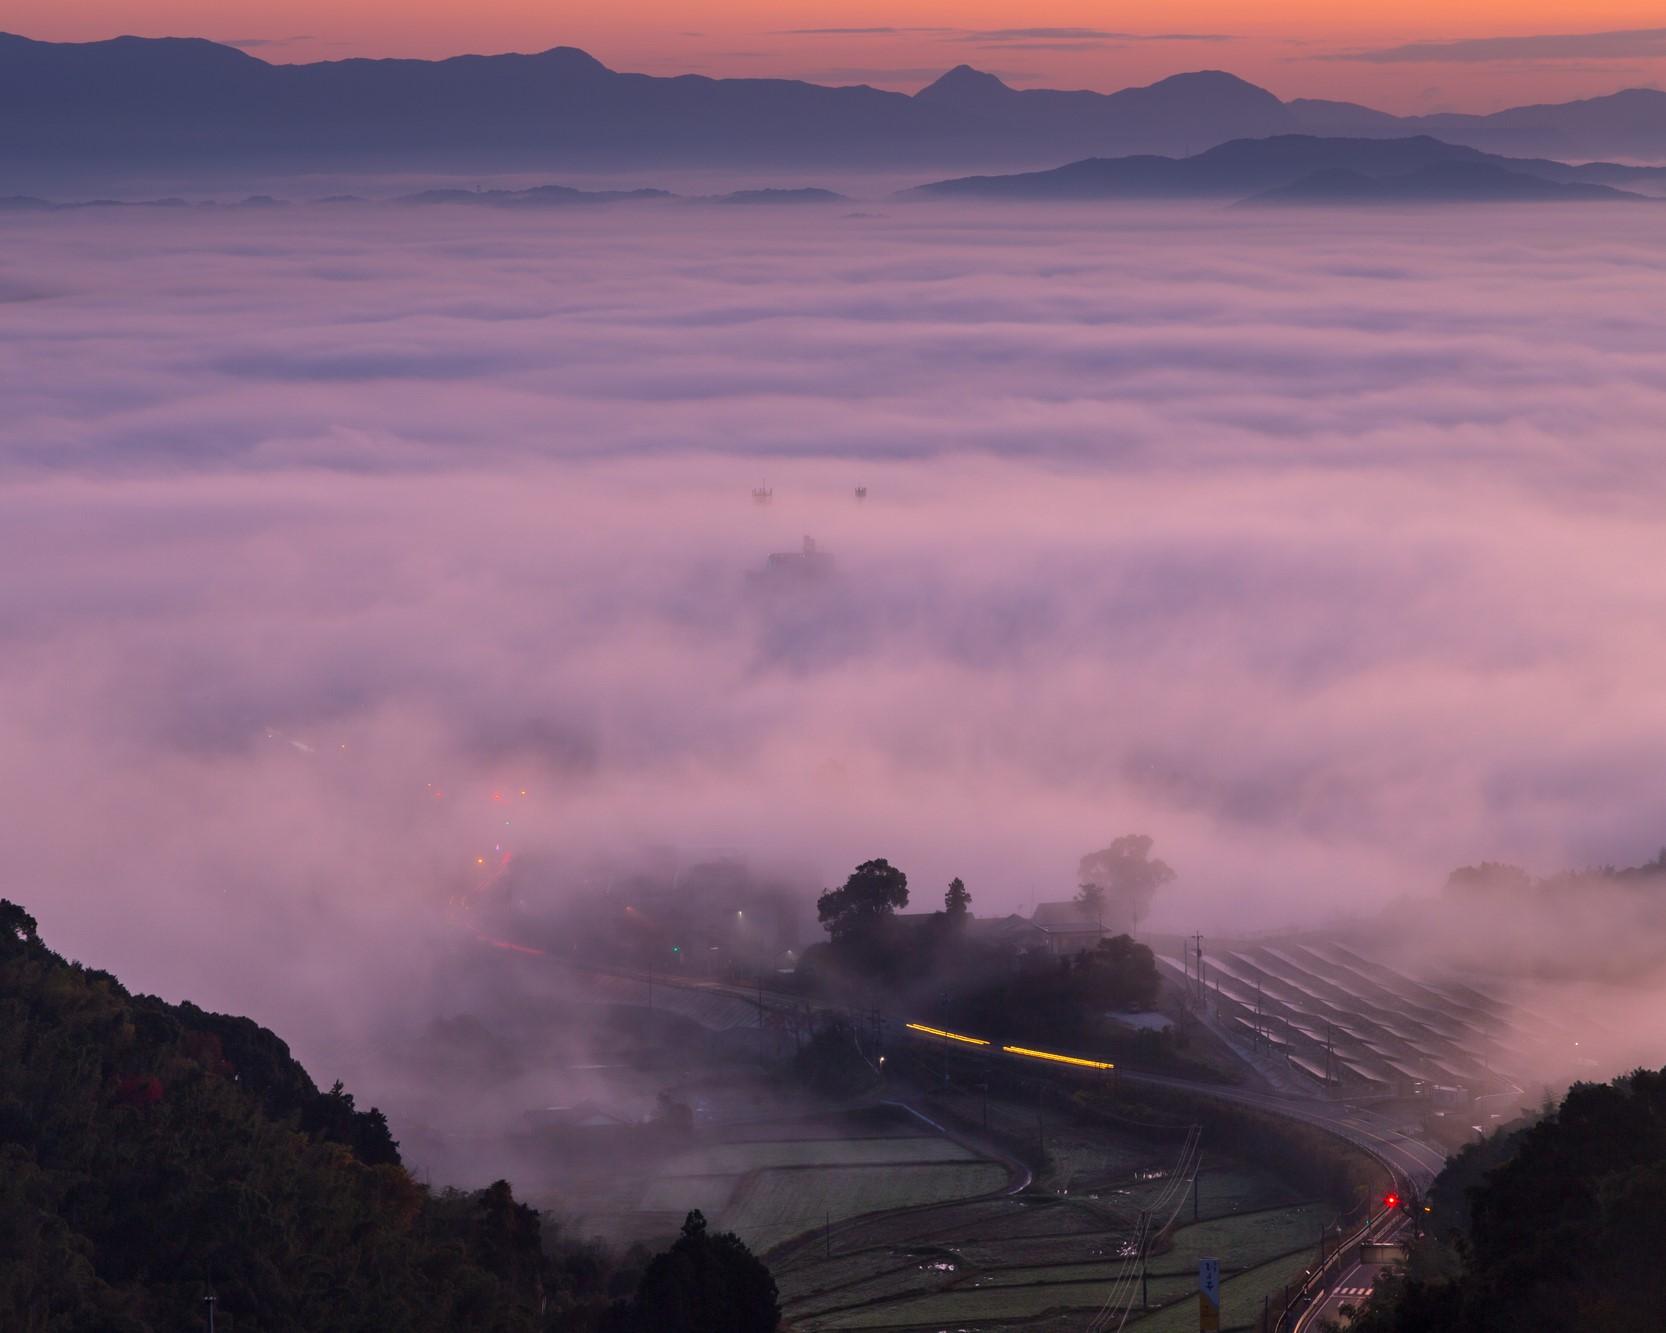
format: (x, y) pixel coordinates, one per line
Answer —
(152, 1154)
(1559, 1225)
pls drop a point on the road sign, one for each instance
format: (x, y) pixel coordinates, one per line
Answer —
(1208, 1295)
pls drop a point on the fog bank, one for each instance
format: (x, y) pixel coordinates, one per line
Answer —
(1324, 550)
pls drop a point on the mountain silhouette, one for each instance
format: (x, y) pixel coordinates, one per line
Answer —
(1282, 162)
(1437, 182)
(964, 86)
(132, 103)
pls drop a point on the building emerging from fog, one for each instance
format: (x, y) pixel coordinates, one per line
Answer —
(792, 569)
(1068, 927)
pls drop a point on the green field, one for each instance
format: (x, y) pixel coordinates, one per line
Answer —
(737, 1158)
(991, 1281)
(967, 1304)
(1241, 1298)
(678, 1194)
(1239, 1190)
(775, 1205)
(1245, 1240)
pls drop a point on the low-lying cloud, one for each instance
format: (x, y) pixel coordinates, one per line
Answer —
(1323, 549)
(1631, 44)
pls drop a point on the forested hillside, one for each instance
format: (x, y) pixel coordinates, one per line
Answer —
(153, 1154)
(1557, 1226)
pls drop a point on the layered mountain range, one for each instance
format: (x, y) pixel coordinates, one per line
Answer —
(1282, 169)
(1302, 168)
(179, 102)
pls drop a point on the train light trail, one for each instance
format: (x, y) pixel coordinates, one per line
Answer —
(950, 1036)
(1076, 1060)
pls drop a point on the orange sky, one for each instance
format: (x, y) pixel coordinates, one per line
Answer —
(1508, 52)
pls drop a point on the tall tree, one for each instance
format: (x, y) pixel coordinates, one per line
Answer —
(873, 892)
(705, 1283)
(1128, 877)
(957, 900)
(1091, 899)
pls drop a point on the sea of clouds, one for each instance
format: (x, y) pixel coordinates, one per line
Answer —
(1324, 548)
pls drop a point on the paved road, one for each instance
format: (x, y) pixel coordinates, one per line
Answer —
(1351, 1285)
(1382, 1135)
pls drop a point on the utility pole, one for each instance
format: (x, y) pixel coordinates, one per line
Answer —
(1197, 1174)
(1197, 953)
(1145, 1287)
(209, 1302)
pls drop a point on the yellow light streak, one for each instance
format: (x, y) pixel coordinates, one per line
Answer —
(1057, 1059)
(939, 1032)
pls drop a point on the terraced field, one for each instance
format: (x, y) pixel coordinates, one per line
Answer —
(777, 1205)
(1048, 1258)
(768, 1186)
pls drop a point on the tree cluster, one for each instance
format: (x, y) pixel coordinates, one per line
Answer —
(1118, 882)
(937, 965)
(1557, 1226)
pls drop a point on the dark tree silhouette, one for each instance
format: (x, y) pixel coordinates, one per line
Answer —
(705, 1283)
(957, 900)
(16, 926)
(1552, 1227)
(873, 892)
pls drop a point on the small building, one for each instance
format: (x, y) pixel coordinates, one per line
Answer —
(1014, 932)
(1069, 927)
(802, 568)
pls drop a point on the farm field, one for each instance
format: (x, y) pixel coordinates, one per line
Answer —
(1249, 1238)
(773, 1179)
(1069, 1294)
(1052, 1257)
(1241, 1298)
(776, 1205)
(738, 1158)
(920, 1234)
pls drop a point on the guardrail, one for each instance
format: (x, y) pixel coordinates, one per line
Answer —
(1300, 1307)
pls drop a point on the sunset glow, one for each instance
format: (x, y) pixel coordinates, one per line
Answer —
(1417, 56)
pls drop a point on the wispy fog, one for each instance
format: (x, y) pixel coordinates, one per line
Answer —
(1326, 550)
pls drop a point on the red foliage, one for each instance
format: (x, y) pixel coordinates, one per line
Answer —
(140, 1090)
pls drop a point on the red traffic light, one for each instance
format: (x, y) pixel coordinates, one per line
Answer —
(1391, 1200)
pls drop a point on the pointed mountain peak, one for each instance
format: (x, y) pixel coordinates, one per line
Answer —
(963, 84)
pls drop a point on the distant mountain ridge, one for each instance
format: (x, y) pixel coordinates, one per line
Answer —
(184, 102)
(1436, 183)
(1282, 169)
(1292, 167)
(537, 197)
